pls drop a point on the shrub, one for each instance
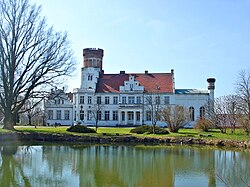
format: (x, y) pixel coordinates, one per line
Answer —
(149, 130)
(245, 123)
(203, 125)
(141, 129)
(80, 129)
(159, 130)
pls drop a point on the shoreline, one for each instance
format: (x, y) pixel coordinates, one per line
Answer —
(44, 137)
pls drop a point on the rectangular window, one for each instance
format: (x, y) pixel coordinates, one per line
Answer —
(50, 114)
(124, 100)
(131, 100)
(138, 116)
(81, 100)
(89, 99)
(106, 117)
(66, 114)
(157, 100)
(130, 115)
(107, 100)
(81, 115)
(149, 100)
(148, 116)
(99, 115)
(115, 115)
(123, 116)
(138, 100)
(99, 100)
(131, 87)
(166, 100)
(62, 101)
(89, 115)
(58, 114)
(115, 100)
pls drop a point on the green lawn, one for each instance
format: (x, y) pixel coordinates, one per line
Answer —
(239, 134)
(216, 134)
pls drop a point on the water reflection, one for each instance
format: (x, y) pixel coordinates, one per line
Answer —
(11, 172)
(100, 165)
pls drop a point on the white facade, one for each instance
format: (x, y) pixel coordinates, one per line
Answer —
(126, 99)
(58, 108)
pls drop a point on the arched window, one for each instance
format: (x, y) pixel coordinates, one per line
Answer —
(191, 113)
(202, 112)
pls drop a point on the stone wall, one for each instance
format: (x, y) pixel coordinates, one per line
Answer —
(93, 138)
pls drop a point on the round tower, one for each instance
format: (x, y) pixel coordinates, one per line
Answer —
(92, 57)
(211, 87)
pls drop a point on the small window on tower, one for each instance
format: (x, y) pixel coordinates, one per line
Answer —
(90, 77)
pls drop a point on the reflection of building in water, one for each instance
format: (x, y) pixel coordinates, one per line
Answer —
(125, 98)
(79, 165)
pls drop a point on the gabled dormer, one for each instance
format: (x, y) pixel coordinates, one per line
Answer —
(131, 85)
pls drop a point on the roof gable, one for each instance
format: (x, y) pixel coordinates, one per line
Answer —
(152, 82)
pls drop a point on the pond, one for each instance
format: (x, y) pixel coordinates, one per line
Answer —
(122, 165)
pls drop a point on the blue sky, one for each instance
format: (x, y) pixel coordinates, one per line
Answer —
(196, 38)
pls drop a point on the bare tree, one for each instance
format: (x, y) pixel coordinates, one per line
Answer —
(153, 107)
(33, 111)
(96, 112)
(233, 110)
(217, 117)
(225, 113)
(243, 92)
(176, 117)
(32, 56)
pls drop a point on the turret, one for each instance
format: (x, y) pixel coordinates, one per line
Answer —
(211, 88)
(92, 68)
(92, 57)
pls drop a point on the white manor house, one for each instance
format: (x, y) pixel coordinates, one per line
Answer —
(123, 99)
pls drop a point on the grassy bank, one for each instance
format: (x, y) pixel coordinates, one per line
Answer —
(239, 134)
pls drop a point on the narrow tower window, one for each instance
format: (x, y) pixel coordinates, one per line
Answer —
(202, 112)
(191, 113)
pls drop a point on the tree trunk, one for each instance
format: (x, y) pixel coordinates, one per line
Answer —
(9, 121)
(96, 125)
(29, 117)
(154, 128)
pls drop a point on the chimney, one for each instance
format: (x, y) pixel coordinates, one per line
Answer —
(211, 87)
(172, 71)
(122, 72)
(211, 82)
(146, 72)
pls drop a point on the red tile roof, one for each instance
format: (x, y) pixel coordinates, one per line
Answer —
(150, 81)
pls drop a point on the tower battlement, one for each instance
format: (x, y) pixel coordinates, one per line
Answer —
(92, 57)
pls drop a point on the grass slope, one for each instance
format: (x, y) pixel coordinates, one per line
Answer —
(239, 134)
